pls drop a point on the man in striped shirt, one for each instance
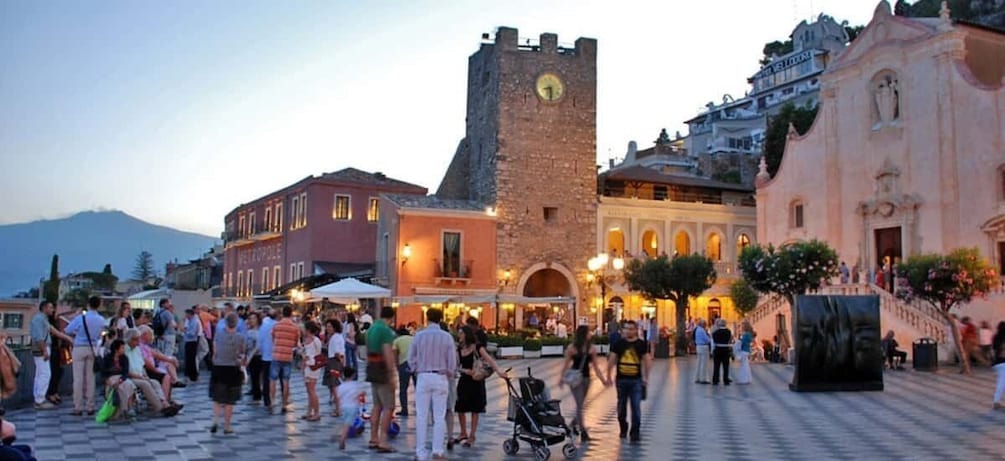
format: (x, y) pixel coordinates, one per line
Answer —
(434, 361)
(285, 338)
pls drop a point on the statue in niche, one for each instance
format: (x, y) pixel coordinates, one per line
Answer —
(887, 95)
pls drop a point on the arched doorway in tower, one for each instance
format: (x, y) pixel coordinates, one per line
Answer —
(547, 283)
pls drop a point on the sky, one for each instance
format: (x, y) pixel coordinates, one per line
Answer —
(177, 112)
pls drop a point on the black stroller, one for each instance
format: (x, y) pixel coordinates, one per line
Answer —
(537, 420)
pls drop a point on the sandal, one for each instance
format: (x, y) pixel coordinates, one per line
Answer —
(372, 446)
(386, 450)
(314, 418)
(228, 432)
(469, 443)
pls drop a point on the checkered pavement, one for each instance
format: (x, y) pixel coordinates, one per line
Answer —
(919, 416)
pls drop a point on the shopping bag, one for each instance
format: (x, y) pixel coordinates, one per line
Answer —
(106, 411)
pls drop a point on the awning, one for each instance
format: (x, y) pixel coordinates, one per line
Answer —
(348, 290)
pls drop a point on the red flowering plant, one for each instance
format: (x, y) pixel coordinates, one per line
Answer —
(945, 282)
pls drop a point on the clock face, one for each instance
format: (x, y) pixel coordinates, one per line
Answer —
(549, 87)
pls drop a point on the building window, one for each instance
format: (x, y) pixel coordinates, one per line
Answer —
(13, 321)
(342, 210)
(276, 279)
(451, 254)
(240, 226)
(300, 270)
(295, 212)
(240, 283)
(713, 247)
(249, 289)
(682, 244)
(303, 209)
(279, 217)
(742, 241)
(265, 280)
(1001, 183)
(252, 224)
(550, 214)
(293, 272)
(796, 212)
(650, 243)
(659, 192)
(372, 210)
(268, 219)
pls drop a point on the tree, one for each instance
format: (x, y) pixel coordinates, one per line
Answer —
(77, 297)
(790, 270)
(946, 282)
(778, 131)
(775, 48)
(102, 281)
(144, 268)
(676, 279)
(744, 297)
(52, 285)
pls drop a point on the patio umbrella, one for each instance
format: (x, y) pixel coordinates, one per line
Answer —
(348, 290)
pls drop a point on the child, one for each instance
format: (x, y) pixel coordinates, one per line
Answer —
(349, 393)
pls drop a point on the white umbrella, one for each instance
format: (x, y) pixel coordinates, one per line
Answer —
(348, 290)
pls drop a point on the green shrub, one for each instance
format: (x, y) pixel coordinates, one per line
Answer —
(509, 341)
(601, 339)
(528, 332)
(532, 345)
(554, 341)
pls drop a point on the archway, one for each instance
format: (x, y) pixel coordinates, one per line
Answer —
(714, 310)
(547, 283)
(682, 244)
(713, 247)
(546, 280)
(650, 243)
(742, 241)
(616, 241)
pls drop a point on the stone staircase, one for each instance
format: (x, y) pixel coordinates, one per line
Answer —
(908, 320)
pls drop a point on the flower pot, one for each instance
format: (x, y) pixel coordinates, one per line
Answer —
(491, 347)
(531, 354)
(602, 349)
(552, 351)
(509, 351)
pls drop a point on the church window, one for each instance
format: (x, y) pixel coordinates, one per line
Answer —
(1001, 183)
(796, 215)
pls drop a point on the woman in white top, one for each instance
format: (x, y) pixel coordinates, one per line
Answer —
(336, 362)
(312, 370)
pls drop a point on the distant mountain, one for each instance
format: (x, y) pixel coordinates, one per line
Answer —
(86, 242)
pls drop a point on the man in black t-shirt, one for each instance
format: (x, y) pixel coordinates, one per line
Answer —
(722, 350)
(631, 356)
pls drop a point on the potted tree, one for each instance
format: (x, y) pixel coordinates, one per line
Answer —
(532, 349)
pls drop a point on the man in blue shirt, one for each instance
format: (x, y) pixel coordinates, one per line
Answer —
(702, 342)
(265, 345)
(41, 343)
(193, 330)
(221, 325)
(86, 330)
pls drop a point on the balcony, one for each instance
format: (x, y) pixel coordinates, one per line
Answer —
(726, 270)
(236, 239)
(452, 272)
(267, 234)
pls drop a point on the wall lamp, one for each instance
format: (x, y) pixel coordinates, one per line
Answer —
(507, 275)
(406, 252)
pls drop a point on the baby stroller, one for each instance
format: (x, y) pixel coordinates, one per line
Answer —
(537, 420)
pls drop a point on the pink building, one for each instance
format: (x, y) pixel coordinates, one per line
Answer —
(319, 225)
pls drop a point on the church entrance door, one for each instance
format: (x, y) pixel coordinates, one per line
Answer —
(888, 246)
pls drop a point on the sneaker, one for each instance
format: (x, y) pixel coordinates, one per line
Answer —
(45, 406)
(179, 384)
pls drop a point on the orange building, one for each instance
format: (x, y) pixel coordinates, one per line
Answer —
(435, 252)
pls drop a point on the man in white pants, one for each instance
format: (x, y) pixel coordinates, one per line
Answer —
(41, 344)
(434, 361)
(702, 342)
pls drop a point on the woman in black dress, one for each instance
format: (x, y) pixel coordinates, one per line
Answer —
(471, 384)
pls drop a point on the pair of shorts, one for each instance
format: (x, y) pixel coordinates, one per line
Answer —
(280, 371)
(383, 395)
(349, 414)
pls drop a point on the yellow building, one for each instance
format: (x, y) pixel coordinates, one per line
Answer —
(651, 205)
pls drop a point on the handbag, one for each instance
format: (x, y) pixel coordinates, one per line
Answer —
(574, 377)
(38, 347)
(96, 367)
(481, 370)
(320, 361)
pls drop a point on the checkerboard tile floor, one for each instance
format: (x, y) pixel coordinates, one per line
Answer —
(919, 416)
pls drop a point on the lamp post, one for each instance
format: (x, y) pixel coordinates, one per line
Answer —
(599, 273)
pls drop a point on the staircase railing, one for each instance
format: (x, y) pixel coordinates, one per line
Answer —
(919, 315)
(767, 307)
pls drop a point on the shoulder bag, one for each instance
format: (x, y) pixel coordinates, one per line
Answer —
(574, 377)
(97, 366)
(481, 369)
(38, 347)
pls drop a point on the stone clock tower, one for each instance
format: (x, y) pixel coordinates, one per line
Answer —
(530, 152)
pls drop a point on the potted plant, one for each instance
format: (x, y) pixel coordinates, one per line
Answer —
(603, 344)
(532, 349)
(553, 346)
(493, 343)
(509, 346)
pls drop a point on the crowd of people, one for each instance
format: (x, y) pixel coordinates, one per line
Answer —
(258, 349)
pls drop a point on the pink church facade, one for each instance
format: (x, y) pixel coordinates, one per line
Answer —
(907, 153)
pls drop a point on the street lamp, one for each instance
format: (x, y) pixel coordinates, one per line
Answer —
(598, 266)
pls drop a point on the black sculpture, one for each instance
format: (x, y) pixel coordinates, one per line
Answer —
(837, 341)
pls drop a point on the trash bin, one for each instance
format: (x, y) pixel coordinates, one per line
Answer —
(925, 354)
(663, 348)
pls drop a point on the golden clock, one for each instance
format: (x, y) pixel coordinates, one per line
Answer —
(550, 87)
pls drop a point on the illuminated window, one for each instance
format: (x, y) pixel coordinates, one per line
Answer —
(276, 279)
(682, 244)
(373, 210)
(252, 225)
(265, 280)
(251, 283)
(713, 248)
(796, 215)
(279, 217)
(341, 210)
(295, 212)
(303, 209)
(240, 283)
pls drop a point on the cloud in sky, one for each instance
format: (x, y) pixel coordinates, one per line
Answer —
(176, 112)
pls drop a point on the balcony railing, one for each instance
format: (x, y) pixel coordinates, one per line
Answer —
(452, 270)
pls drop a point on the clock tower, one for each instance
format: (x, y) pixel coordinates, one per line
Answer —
(529, 155)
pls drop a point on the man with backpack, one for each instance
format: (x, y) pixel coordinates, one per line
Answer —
(165, 328)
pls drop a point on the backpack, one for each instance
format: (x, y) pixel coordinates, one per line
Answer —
(158, 323)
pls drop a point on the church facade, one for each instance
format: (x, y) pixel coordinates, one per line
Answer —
(907, 154)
